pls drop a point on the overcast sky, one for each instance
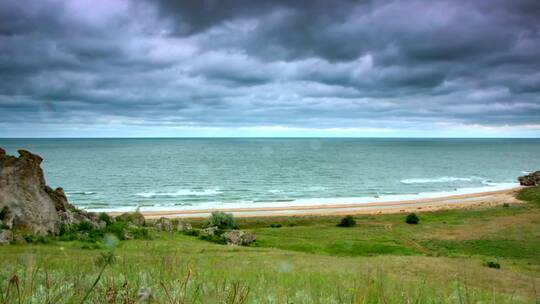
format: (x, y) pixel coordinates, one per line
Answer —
(269, 68)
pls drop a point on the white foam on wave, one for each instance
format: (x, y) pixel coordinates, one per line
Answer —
(80, 192)
(443, 179)
(183, 192)
(317, 201)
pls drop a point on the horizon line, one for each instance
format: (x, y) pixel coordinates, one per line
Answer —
(269, 137)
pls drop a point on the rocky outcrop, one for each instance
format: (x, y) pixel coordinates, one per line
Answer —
(532, 179)
(239, 237)
(27, 204)
(183, 227)
(168, 225)
(163, 224)
(6, 236)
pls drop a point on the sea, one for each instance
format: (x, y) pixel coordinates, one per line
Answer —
(125, 174)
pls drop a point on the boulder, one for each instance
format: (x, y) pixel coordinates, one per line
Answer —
(145, 295)
(6, 236)
(183, 227)
(33, 206)
(163, 224)
(239, 237)
(532, 179)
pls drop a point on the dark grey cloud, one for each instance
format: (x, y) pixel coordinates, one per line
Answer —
(392, 65)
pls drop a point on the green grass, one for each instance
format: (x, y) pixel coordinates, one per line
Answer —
(363, 240)
(531, 195)
(305, 260)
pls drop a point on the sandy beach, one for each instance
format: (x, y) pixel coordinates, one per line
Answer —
(474, 200)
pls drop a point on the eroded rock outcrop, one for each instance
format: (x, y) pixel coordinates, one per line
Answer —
(239, 237)
(532, 179)
(27, 204)
(168, 225)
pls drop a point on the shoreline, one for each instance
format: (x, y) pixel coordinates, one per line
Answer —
(477, 199)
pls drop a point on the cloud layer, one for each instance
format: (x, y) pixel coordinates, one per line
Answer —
(175, 68)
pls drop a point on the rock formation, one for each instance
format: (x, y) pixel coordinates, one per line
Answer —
(532, 179)
(27, 204)
(239, 237)
(166, 224)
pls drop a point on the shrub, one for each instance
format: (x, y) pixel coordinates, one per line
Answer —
(140, 233)
(192, 232)
(506, 205)
(221, 220)
(275, 225)
(530, 194)
(106, 218)
(347, 221)
(85, 226)
(492, 264)
(135, 218)
(37, 239)
(118, 229)
(412, 218)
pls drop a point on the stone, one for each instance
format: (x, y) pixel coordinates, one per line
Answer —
(163, 224)
(6, 236)
(144, 295)
(128, 236)
(35, 207)
(210, 230)
(183, 227)
(239, 237)
(532, 179)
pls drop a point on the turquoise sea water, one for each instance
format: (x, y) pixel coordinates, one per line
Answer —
(121, 174)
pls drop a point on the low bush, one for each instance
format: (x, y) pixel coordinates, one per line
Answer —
(84, 226)
(192, 232)
(222, 220)
(140, 233)
(105, 218)
(86, 232)
(412, 218)
(37, 239)
(347, 221)
(215, 238)
(275, 225)
(530, 194)
(492, 264)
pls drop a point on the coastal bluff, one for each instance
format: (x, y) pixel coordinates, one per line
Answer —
(27, 204)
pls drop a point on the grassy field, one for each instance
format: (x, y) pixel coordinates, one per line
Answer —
(382, 259)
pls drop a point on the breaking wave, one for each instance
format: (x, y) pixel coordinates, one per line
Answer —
(80, 193)
(207, 192)
(444, 179)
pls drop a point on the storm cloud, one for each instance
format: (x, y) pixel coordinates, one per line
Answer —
(176, 68)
